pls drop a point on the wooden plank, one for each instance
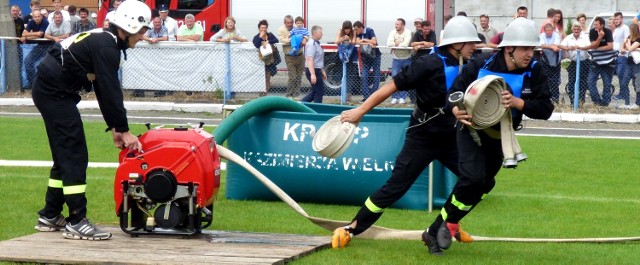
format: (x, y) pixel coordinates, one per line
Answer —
(219, 247)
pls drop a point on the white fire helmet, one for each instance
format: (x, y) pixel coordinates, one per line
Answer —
(131, 16)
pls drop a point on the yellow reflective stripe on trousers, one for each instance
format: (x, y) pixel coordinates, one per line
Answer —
(460, 205)
(444, 214)
(74, 189)
(372, 207)
(55, 183)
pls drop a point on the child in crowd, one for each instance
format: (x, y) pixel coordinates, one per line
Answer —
(298, 33)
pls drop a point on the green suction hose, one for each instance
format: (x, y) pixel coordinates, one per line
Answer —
(253, 108)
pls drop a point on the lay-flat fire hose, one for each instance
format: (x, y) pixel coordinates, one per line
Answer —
(482, 101)
(378, 232)
(374, 232)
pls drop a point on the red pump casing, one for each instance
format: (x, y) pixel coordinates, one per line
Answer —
(188, 154)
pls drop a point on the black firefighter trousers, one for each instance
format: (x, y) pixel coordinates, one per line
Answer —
(67, 179)
(420, 148)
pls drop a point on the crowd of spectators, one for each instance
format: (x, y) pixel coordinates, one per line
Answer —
(596, 47)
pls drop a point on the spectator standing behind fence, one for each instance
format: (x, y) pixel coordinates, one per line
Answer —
(601, 39)
(424, 39)
(399, 38)
(34, 30)
(45, 14)
(421, 42)
(573, 44)
(57, 5)
(34, 5)
(17, 21)
(262, 39)
(84, 24)
(582, 19)
(59, 29)
(168, 22)
(549, 20)
(158, 33)
(110, 14)
(550, 57)
(314, 56)
(295, 63)
(632, 44)
(190, 31)
(417, 23)
(558, 20)
(495, 41)
(371, 58)
(73, 18)
(297, 34)
(346, 39)
(620, 35)
(611, 24)
(229, 33)
(485, 28)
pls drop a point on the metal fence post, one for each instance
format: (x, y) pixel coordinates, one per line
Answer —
(227, 77)
(3, 68)
(343, 89)
(576, 86)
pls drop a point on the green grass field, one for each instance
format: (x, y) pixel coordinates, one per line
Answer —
(569, 188)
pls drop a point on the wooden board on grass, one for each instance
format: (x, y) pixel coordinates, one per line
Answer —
(211, 247)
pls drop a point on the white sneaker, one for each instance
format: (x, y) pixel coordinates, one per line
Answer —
(394, 100)
(633, 106)
(401, 101)
(85, 230)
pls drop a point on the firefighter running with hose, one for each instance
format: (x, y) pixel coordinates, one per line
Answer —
(431, 133)
(479, 164)
(84, 61)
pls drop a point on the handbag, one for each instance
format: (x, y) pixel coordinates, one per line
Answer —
(604, 57)
(266, 57)
(636, 56)
(265, 50)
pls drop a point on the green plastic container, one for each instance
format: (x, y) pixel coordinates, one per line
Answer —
(278, 144)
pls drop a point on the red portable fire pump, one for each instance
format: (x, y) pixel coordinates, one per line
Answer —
(170, 188)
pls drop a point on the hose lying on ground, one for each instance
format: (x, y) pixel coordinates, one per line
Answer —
(378, 232)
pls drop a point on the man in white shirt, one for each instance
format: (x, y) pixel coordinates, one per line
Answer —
(168, 22)
(58, 30)
(620, 34)
(576, 44)
(57, 4)
(401, 38)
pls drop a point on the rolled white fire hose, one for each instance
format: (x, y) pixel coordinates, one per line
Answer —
(482, 101)
(333, 137)
(378, 232)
